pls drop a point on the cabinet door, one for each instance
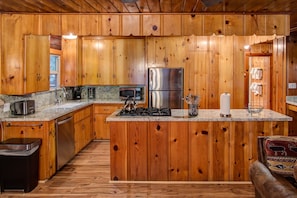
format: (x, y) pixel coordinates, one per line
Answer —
(129, 57)
(97, 61)
(90, 62)
(70, 67)
(37, 60)
(101, 127)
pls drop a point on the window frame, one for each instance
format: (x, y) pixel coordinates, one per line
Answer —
(58, 72)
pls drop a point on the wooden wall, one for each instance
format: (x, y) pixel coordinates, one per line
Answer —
(292, 63)
(213, 64)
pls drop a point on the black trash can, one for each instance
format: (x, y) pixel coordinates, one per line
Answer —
(19, 164)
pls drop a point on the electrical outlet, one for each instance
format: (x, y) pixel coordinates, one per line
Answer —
(292, 86)
(6, 107)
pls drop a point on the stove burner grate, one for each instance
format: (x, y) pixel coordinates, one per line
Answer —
(141, 111)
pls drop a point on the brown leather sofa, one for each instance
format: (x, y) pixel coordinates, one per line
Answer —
(268, 183)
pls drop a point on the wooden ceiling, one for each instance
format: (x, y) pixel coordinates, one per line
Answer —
(154, 6)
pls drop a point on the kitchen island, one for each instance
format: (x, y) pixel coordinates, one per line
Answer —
(181, 148)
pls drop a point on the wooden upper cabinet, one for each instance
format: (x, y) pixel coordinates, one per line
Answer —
(97, 61)
(171, 25)
(129, 61)
(37, 60)
(70, 62)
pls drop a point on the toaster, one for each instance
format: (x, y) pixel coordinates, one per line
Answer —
(23, 107)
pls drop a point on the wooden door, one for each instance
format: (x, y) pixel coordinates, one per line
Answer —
(37, 63)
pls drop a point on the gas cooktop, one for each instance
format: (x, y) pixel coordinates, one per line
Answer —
(141, 111)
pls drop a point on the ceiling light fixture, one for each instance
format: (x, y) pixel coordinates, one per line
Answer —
(70, 36)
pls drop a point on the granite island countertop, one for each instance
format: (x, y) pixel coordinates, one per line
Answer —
(205, 115)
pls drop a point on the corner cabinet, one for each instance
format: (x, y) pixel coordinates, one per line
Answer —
(43, 130)
(29, 73)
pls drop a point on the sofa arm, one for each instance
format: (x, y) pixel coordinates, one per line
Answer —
(268, 185)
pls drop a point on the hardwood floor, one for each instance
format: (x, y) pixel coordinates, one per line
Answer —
(87, 175)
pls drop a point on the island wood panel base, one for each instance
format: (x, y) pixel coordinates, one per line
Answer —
(186, 151)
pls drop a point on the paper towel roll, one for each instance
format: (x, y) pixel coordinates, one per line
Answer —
(225, 104)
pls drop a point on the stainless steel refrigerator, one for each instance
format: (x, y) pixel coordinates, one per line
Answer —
(166, 87)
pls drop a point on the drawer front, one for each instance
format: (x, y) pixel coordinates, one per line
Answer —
(106, 109)
(81, 114)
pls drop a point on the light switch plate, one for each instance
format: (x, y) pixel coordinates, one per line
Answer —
(292, 86)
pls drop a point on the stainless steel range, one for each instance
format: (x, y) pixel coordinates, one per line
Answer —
(141, 111)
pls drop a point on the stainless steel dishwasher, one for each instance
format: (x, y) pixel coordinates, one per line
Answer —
(64, 139)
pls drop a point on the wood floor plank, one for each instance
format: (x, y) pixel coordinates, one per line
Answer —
(88, 175)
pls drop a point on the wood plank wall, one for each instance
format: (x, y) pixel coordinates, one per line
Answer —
(292, 63)
(213, 64)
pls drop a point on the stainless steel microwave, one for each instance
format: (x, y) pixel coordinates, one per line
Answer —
(131, 92)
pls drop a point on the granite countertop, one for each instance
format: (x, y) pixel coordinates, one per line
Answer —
(206, 115)
(291, 100)
(52, 112)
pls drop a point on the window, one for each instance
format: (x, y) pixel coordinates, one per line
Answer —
(54, 71)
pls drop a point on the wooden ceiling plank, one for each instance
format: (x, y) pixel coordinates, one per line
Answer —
(118, 5)
(192, 6)
(132, 7)
(143, 6)
(166, 6)
(154, 6)
(91, 6)
(177, 6)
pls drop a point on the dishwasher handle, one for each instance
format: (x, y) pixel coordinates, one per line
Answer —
(64, 120)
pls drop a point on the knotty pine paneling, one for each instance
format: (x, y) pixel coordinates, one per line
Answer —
(192, 25)
(50, 24)
(131, 25)
(91, 25)
(71, 24)
(291, 52)
(138, 151)
(158, 151)
(110, 25)
(151, 25)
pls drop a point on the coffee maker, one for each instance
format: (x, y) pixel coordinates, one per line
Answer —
(73, 93)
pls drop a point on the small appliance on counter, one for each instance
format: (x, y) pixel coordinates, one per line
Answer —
(73, 93)
(91, 92)
(23, 107)
(225, 105)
